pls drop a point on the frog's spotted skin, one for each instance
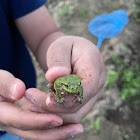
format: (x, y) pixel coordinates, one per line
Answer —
(66, 85)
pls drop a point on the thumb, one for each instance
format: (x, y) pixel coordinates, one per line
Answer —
(11, 87)
(59, 59)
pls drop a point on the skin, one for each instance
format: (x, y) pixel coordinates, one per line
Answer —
(68, 85)
(58, 55)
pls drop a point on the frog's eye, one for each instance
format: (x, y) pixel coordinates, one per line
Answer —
(66, 85)
(79, 84)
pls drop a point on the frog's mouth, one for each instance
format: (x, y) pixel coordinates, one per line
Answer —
(63, 93)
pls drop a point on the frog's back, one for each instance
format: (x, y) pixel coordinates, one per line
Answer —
(68, 79)
(73, 79)
(70, 83)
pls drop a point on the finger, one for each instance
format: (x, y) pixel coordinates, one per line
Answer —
(87, 65)
(72, 117)
(59, 59)
(3, 99)
(13, 116)
(37, 97)
(11, 87)
(45, 102)
(60, 133)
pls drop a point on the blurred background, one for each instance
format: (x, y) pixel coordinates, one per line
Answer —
(116, 116)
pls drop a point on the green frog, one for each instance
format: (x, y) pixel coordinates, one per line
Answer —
(67, 85)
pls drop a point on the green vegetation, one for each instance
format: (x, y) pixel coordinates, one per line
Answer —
(87, 117)
(66, 10)
(134, 11)
(112, 77)
(82, 12)
(130, 82)
(96, 124)
(126, 77)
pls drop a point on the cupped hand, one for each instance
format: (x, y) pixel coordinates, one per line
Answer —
(16, 119)
(71, 55)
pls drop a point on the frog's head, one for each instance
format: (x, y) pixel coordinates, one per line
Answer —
(71, 87)
(70, 83)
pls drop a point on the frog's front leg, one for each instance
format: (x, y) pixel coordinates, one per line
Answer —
(79, 96)
(59, 97)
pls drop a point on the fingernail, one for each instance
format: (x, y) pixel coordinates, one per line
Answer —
(54, 124)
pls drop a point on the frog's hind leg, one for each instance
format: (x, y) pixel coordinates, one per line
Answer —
(53, 96)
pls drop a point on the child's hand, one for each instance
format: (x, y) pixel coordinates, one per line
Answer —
(17, 120)
(68, 55)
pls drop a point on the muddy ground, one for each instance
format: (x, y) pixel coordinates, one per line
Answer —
(115, 120)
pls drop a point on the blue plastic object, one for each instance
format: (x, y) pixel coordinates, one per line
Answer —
(108, 25)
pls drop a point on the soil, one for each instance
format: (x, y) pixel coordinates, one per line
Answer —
(117, 120)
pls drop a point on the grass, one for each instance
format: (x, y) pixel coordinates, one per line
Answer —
(65, 11)
(126, 77)
(112, 77)
(134, 12)
(93, 125)
(130, 82)
(82, 12)
(96, 124)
